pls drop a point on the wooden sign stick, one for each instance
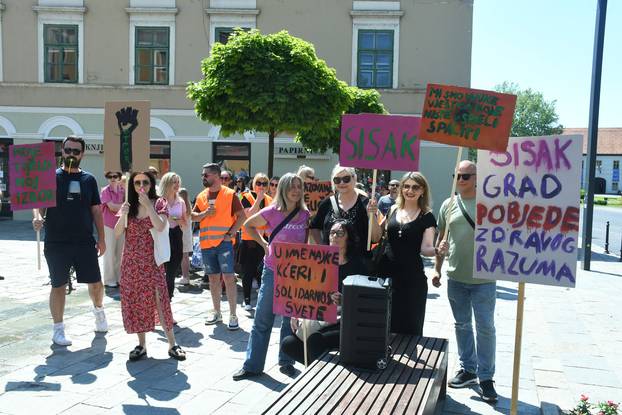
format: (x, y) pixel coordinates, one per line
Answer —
(517, 347)
(453, 194)
(127, 186)
(38, 217)
(373, 193)
(304, 336)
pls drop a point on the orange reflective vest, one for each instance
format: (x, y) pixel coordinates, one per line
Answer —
(262, 230)
(214, 228)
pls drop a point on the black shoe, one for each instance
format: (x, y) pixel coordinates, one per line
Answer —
(487, 391)
(462, 379)
(288, 370)
(244, 374)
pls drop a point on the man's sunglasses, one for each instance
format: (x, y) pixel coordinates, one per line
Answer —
(74, 151)
(261, 184)
(345, 180)
(463, 176)
(143, 183)
(415, 187)
(113, 176)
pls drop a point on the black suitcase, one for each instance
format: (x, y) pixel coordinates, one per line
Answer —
(365, 322)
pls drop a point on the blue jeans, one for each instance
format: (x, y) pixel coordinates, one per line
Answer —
(479, 300)
(262, 327)
(218, 259)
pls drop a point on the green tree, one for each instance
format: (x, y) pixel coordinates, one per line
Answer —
(534, 116)
(272, 83)
(322, 137)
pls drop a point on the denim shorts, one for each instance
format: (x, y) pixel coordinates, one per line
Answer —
(218, 259)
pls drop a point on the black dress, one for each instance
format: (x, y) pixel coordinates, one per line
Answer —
(402, 262)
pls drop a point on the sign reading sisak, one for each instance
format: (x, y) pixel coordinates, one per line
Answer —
(467, 117)
(33, 176)
(527, 226)
(305, 277)
(378, 141)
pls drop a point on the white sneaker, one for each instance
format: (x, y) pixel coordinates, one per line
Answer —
(233, 323)
(184, 281)
(59, 337)
(101, 325)
(248, 307)
(214, 318)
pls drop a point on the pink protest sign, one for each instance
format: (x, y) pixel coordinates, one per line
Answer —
(32, 177)
(377, 141)
(304, 277)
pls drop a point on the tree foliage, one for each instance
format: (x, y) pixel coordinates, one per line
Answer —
(269, 83)
(534, 116)
(322, 137)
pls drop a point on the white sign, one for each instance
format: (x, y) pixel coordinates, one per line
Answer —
(527, 224)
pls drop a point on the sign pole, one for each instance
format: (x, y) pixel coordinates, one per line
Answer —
(517, 347)
(127, 186)
(304, 336)
(453, 193)
(38, 217)
(371, 218)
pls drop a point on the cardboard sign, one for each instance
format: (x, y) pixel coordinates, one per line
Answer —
(304, 277)
(126, 136)
(32, 176)
(527, 220)
(467, 117)
(315, 192)
(377, 141)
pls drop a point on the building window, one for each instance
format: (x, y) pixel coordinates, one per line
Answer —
(235, 157)
(160, 156)
(61, 53)
(375, 59)
(599, 166)
(222, 34)
(616, 164)
(152, 56)
(615, 187)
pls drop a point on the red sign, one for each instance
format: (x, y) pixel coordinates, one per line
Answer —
(467, 117)
(32, 174)
(305, 276)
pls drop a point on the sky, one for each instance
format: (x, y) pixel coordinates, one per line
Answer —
(547, 45)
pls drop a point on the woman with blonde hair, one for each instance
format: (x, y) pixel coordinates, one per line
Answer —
(286, 219)
(410, 227)
(177, 221)
(306, 173)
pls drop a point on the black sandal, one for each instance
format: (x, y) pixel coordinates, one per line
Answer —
(177, 353)
(138, 353)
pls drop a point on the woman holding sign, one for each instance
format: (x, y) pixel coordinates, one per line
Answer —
(410, 233)
(286, 220)
(348, 204)
(143, 283)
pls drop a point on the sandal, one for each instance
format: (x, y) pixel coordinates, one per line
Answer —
(138, 353)
(177, 353)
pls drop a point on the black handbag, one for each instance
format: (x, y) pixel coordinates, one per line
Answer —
(380, 248)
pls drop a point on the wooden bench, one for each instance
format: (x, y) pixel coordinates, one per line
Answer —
(413, 383)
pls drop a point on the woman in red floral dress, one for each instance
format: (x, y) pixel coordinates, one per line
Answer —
(144, 297)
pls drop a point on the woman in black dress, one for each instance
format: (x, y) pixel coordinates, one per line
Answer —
(410, 234)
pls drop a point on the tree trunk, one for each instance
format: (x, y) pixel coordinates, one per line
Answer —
(271, 153)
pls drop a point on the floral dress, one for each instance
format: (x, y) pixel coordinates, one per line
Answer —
(141, 278)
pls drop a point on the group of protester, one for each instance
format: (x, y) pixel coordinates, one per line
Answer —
(272, 210)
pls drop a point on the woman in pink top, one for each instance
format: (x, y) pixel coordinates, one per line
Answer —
(112, 197)
(177, 221)
(288, 199)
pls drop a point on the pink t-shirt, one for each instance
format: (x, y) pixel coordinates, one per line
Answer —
(294, 232)
(108, 195)
(176, 210)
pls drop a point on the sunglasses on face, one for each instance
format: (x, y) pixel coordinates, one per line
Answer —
(113, 176)
(261, 184)
(225, 178)
(414, 187)
(74, 151)
(345, 180)
(274, 184)
(338, 233)
(311, 177)
(463, 176)
(142, 183)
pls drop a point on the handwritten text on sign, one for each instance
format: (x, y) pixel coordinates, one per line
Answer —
(376, 141)
(315, 192)
(467, 117)
(528, 211)
(32, 177)
(305, 276)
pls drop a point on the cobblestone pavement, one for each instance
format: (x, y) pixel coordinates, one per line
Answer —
(571, 343)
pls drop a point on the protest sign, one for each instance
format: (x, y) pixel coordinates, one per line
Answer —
(528, 211)
(32, 176)
(315, 192)
(467, 117)
(305, 276)
(126, 136)
(378, 141)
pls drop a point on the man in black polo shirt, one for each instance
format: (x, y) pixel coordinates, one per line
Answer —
(69, 237)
